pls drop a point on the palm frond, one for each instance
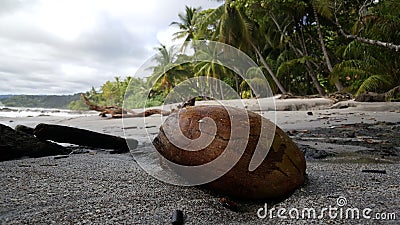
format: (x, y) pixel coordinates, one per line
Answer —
(288, 66)
(210, 18)
(353, 50)
(376, 83)
(323, 7)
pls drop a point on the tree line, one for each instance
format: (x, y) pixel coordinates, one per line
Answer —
(303, 47)
(39, 101)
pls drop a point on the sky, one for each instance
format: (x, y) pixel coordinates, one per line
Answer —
(67, 46)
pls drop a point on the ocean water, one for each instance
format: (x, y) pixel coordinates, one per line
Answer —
(17, 112)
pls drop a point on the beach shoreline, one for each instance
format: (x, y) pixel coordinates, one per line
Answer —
(98, 187)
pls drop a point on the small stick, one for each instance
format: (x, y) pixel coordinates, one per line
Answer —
(374, 171)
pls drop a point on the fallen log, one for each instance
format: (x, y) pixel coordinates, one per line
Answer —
(15, 144)
(389, 96)
(119, 112)
(149, 112)
(104, 110)
(146, 113)
(370, 97)
(393, 94)
(65, 134)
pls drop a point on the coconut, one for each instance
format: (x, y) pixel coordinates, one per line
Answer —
(199, 135)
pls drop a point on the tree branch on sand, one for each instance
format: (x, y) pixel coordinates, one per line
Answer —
(119, 112)
(391, 95)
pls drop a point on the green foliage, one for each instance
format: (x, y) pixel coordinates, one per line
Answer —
(187, 24)
(113, 92)
(40, 101)
(298, 40)
(375, 83)
(367, 67)
(139, 100)
(129, 92)
(77, 105)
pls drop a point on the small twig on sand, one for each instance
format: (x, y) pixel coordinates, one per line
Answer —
(374, 171)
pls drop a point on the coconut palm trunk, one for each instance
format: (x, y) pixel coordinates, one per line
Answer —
(268, 68)
(299, 53)
(338, 84)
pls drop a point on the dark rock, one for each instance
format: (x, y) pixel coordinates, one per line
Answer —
(316, 154)
(72, 135)
(229, 204)
(15, 144)
(312, 153)
(177, 217)
(8, 110)
(24, 129)
(310, 113)
(351, 134)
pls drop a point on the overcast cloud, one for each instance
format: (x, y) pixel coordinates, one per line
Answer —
(66, 47)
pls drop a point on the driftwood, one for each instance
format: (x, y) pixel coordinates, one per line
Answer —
(104, 110)
(15, 144)
(192, 101)
(371, 97)
(375, 97)
(65, 134)
(119, 112)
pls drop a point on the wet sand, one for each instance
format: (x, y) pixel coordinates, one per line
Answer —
(98, 187)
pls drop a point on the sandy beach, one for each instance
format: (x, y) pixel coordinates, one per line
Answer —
(352, 151)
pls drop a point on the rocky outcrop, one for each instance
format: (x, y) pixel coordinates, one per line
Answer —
(82, 137)
(15, 144)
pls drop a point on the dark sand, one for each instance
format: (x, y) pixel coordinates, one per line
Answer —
(102, 188)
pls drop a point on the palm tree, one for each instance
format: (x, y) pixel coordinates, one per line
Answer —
(187, 24)
(301, 52)
(367, 67)
(387, 14)
(169, 70)
(165, 62)
(323, 7)
(234, 29)
(211, 68)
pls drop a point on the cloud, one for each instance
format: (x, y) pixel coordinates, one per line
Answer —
(64, 47)
(11, 6)
(110, 40)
